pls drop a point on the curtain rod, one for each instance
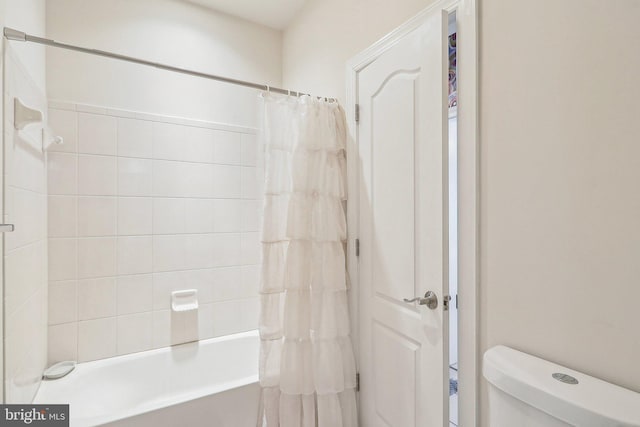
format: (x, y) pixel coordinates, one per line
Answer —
(11, 34)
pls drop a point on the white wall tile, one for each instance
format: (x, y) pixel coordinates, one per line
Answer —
(96, 134)
(250, 186)
(228, 148)
(199, 144)
(226, 284)
(161, 324)
(63, 259)
(134, 294)
(169, 252)
(96, 298)
(135, 177)
(26, 210)
(63, 342)
(97, 216)
(24, 162)
(135, 216)
(199, 180)
(97, 175)
(135, 255)
(135, 138)
(227, 181)
(250, 244)
(249, 149)
(233, 316)
(250, 309)
(96, 339)
(199, 215)
(249, 281)
(206, 327)
(96, 257)
(199, 251)
(227, 215)
(226, 249)
(62, 216)
(251, 220)
(169, 141)
(202, 281)
(168, 216)
(135, 333)
(170, 179)
(226, 318)
(63, 302)
(62, 173)
(164, 284)
(25, 271)
(64, 123)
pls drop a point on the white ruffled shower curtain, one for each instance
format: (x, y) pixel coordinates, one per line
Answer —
(307, 367)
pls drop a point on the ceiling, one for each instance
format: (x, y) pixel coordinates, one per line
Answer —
(272, 13)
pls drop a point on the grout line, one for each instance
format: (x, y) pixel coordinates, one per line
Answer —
(117, 264)
(155, 159)
(240, 266)
(77, 186)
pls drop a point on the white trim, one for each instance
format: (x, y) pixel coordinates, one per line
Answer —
(468, 190)
(141, 115)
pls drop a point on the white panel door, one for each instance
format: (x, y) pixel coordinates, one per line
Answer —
(402, 139)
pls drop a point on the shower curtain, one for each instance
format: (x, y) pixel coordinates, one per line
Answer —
(307, 367)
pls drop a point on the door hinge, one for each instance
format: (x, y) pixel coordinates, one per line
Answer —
(456, 301)
(357, 247)
(357, 381)
(445, 302)
(357, 112)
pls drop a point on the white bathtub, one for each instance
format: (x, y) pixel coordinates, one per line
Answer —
(208, 383)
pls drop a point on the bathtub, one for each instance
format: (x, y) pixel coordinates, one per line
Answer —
(207, 383)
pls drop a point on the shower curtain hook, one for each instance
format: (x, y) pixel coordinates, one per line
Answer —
(268, 89)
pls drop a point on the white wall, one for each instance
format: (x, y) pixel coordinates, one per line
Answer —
(327, 33)
(559, 183)
(27, 15)
(166, 31)
(24, 189)
(141, 206)
(156, 187)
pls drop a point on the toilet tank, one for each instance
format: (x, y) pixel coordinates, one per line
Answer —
(525, 390)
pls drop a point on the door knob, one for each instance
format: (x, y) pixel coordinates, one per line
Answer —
(430, 300)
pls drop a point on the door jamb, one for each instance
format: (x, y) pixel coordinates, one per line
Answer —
(468, 191)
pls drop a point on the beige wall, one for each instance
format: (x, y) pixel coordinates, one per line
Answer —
(560, 206)
(327, 33)
(560, 166)
(167, 31)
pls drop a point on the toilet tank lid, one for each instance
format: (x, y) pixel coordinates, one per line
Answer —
(591, 402)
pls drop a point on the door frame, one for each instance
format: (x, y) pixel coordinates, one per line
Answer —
(468, 191)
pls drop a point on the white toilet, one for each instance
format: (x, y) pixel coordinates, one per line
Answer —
(525, 391)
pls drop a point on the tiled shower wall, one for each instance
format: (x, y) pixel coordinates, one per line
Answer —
(25, 249)
(141, 205)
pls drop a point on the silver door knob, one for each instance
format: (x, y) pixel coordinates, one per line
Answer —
(430, 300)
